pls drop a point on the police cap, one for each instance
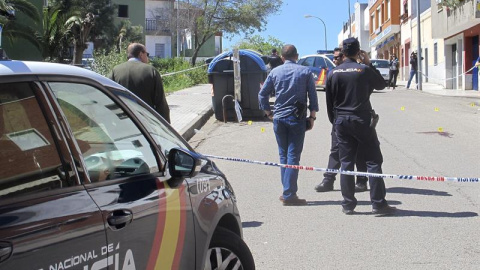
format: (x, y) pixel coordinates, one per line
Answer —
(351, 46)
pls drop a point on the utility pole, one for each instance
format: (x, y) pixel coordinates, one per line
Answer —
(419, 48)
(349, 21)
(178, 31)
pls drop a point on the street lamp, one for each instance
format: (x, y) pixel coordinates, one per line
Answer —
(325, 27)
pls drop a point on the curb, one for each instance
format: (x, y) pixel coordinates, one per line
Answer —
(197, 123)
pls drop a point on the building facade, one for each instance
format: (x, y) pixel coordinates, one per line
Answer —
(357, 26)
(384, 18)
(457, 26)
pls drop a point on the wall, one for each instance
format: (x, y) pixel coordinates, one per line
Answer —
(150, 42)
(136, 12)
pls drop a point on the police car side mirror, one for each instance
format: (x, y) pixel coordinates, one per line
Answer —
(182, 163)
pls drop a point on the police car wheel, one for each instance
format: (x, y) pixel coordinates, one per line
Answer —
(228, 251)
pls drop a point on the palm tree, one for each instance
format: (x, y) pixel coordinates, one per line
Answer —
(79, 29)
(52, 35)
(14, 29)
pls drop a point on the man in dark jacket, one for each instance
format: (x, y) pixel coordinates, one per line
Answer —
(142, 79)
(347, 92)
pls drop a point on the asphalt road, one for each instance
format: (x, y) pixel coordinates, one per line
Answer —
(436, 226)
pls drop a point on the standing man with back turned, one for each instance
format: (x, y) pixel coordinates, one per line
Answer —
(334, 158)
(142, 79)
(292, 84)
(348, 91)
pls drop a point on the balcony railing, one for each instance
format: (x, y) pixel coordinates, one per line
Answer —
(156, 25)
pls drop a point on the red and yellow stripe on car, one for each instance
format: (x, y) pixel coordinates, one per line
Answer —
(322, 77)
(169, 238)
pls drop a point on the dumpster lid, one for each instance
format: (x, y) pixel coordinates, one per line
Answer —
(248, 53)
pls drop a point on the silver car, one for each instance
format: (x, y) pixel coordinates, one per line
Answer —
(382, 66)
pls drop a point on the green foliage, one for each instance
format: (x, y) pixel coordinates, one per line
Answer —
(14, 28)
(180, 80)
(258, 43)
(104, 63)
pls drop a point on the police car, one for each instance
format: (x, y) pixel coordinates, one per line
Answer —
(93, 178)
(319, 65)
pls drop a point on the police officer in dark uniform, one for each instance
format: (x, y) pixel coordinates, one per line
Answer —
(348, 91)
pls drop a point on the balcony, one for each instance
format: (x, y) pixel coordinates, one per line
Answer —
(157, 27)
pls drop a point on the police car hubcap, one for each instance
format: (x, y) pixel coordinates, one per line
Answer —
(222, 259)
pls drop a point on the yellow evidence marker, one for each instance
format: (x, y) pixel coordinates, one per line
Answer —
(250, 122)
(262, 130)
(402, 108)
(440, 129)
(436, 109)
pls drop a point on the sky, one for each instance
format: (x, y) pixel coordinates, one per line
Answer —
(307, 34)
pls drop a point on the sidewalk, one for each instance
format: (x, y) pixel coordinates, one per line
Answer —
(437, 89)
(191, 108)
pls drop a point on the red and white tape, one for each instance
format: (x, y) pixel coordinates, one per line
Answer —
(391, 176)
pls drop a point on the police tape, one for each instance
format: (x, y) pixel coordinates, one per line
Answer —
(389, 176)
(447, 79)
(182, 71)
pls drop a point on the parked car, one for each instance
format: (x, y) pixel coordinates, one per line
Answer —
(93, 178)
(319, 65)
(382, 66)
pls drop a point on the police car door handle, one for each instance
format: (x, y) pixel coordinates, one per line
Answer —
(119, 218)
(5, 251)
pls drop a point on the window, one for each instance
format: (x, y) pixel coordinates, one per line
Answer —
(111, 144)
(165, 138)
(309, 62)
(29, 159)
(160, 50)
(389, 9)
(123, 11)
(435, 54)
(320, 62)
(372, 25)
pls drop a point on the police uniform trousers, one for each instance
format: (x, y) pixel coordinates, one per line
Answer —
(353, 130)
(334, 161)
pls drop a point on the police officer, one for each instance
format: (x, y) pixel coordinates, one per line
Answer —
(334, 158)
(348, 91)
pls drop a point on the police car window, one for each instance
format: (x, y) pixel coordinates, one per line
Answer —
(165, 138)
(111, 144)
(320, 62)
(29, 159)
(330, 64)
(309, 62)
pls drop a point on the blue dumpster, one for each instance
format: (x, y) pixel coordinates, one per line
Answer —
(253, 72)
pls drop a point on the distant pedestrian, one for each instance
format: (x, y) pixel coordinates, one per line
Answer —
(347, 92)
(393, 73)
(142, 79)
(334, 157)
(292, 84)
(275, 60)
(413, 69)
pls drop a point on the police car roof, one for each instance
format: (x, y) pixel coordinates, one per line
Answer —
(13, 67)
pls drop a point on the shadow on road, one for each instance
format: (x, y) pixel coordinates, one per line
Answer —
(412, 213)
(251, 224)
(315, 203)
(417, 191)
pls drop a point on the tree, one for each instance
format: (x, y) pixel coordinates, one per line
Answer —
(209, 17)
(77, 10)
(79, 28)
(128, 33)
(13, 28)
(258, 43)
